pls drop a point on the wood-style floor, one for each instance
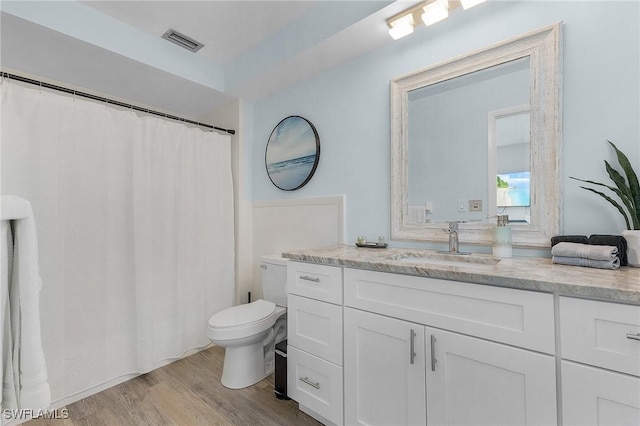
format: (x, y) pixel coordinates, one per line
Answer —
(186, 392)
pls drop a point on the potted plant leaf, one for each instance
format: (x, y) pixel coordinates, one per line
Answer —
(627, 190)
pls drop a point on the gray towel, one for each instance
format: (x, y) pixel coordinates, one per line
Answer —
(612, 240)
(590, 263)
(582, 239)
(585, 251)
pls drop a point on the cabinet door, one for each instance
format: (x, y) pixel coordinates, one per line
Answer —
(592, 396)
(476, 382)
(384, 370)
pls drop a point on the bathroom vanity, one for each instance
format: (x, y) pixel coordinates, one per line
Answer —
(400, 336)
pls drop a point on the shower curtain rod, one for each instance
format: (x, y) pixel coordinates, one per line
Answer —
(111, 101)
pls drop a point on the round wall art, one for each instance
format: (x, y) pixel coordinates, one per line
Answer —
(292, 153)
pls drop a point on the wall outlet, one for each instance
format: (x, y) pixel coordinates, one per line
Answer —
(475, 205)
(462, 205)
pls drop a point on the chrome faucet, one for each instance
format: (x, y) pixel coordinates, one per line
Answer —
(453, 238)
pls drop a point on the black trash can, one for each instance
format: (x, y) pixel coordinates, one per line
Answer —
(280, 388)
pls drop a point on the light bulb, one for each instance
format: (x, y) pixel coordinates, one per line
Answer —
(435, 12)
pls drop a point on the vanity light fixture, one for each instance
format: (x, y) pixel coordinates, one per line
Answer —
(467, 4)
(429, 12)
(435, 12)
(401, 27)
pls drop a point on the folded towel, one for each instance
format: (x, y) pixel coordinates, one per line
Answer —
(585, 251)
(612, 240)
(582, 239)
(590, 263)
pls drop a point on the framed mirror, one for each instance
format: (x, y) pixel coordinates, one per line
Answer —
(476, 136)
(292, 153)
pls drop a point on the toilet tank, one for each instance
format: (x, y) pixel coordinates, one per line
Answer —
(274, 279)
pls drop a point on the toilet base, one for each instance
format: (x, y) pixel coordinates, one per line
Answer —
(243, 366)
(249, 359)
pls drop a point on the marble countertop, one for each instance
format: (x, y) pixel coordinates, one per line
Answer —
(527, 273)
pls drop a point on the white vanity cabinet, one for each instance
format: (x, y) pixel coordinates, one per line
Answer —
(382, 348)
(314, 335)
(600, 347)
(404, 370)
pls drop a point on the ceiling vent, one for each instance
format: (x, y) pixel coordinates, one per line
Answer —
(182, 40)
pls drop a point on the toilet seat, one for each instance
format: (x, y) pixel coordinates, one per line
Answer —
(242, 320)
(243, 314)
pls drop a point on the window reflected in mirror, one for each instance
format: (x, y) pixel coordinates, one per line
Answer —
(509, 140)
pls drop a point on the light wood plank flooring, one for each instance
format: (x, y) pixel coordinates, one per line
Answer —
(186, 392)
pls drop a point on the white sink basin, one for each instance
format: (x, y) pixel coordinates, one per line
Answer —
(447, 259)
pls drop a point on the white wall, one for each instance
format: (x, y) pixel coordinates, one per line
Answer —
(349, 106)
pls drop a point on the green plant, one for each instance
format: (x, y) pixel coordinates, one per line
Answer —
(627, 190)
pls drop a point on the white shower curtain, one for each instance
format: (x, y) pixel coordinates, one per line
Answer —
(135, 230)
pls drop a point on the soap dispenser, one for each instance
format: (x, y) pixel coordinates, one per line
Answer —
(502, 237)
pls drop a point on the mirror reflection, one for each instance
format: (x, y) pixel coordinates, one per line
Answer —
(509, 141)
(465, 135)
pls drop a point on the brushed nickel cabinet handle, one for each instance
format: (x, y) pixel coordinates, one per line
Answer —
(309, 382)
(412, 346)
(633, 336)
(307, 278)
(433, 352)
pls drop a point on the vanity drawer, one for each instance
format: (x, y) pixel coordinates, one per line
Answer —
(515, 317)
(604, 334)
(315, 327)
(315, 384)
(320, 282)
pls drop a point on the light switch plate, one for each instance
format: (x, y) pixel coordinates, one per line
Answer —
(462, 205)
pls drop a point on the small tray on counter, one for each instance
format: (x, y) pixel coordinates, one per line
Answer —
(372, 245)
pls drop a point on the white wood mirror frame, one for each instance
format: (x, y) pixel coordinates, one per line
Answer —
(543, 48)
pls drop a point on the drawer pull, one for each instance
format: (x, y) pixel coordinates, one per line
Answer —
(633, 336)
(307, 278)
(309, 382)
(412, 347)
(433, 352)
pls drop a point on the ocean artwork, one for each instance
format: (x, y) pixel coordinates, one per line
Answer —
(514, 189)
(292, 154)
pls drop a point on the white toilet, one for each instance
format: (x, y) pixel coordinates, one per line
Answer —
(250, 332)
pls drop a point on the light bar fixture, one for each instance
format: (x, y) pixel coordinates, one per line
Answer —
(435, 12)
(428, 12)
